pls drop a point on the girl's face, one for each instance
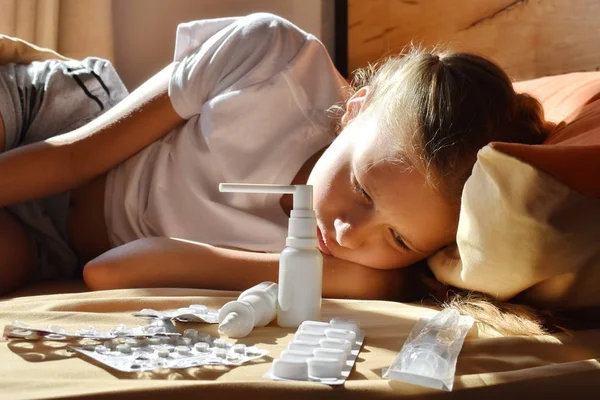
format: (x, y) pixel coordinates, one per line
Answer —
(370, 208)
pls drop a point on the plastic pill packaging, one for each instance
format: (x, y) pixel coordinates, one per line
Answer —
(193, 313)
(323, 352)
(190, 350)
(18, 330)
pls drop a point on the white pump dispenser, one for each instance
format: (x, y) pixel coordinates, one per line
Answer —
(300, 263)
(256, 306)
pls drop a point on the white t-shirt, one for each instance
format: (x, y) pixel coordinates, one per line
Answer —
(254, 91)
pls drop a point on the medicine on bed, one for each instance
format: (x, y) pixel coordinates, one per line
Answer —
(163, 353)
(338, 323)
(338, 354)
(314, 357)
(239, 348)
(295, 355)
(324, 368)
(314, 326)
(340, 334)
(183, 350)
(202, 347)
(304, 345)
(341, 344)
(309, 335)
(290, 369)
(199, 308)
(220, 343)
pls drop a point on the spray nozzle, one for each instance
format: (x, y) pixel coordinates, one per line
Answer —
(302, 230)
(303, 196)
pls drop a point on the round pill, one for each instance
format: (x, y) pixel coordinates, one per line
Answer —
(203, 337)
(314, 326)
(132, 342)
(221, 353)
(324, 368)
(154, 341)
(346, 334)
(101, 349)
(338, 354)
(190, 333)
(183, 350)
(199, 308)
(162, 353)
(239, 348)
(290, 369)
(124, 348)
(202, 347)
(351, 325)
(337, 344)
(20, 333)
(220, 343)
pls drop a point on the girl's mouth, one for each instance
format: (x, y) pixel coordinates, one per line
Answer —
(322, 244)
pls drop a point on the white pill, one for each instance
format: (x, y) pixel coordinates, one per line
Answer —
(20, 333)
(190, 333)
(132, 342)
(183, 350)
(203, 337)
(163, 353)
(221, 353)
(220, 343)
(304, 345)
(239, 348)
(154, 341)
(314, 326)
(351, 325)
(202, 347)
(199, 308)
(290, 369)
(346, 334)
(124, 348)
(343, 344)
(324, 368)
(296, 355)
(309, 335)
(102, 349)
(338, 354)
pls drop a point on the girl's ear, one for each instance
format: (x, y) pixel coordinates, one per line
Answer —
(355, 104)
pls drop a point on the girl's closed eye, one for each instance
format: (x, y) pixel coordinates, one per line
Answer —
(399, 241)
(357, 188)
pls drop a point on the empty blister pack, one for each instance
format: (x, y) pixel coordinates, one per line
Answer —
(193, 313)
(193, 349)
(319, 352)
(17, 330)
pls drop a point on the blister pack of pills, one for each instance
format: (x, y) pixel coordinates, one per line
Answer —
(17, 330)
(193, 349)
(193, 313)
(319, 352)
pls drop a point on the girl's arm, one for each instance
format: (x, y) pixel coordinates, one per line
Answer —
(167, 262)
(68, 160)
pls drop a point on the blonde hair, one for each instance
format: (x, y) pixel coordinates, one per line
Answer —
(446, 106)
(440, 108)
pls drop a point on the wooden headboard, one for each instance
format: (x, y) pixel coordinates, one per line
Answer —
(528, 38)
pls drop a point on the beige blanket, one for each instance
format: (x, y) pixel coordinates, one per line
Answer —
(555, 366)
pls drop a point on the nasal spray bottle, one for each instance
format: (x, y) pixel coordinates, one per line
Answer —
(256, 306)
(300, 262)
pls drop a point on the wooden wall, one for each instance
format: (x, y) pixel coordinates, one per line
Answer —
(529, 38)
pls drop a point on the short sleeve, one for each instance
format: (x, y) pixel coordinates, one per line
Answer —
(214, 57)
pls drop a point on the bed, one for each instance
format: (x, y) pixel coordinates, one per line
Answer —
(490, 365)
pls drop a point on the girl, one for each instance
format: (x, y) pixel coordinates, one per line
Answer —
(245, 101)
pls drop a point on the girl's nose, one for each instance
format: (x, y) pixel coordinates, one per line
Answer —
(351, 234)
